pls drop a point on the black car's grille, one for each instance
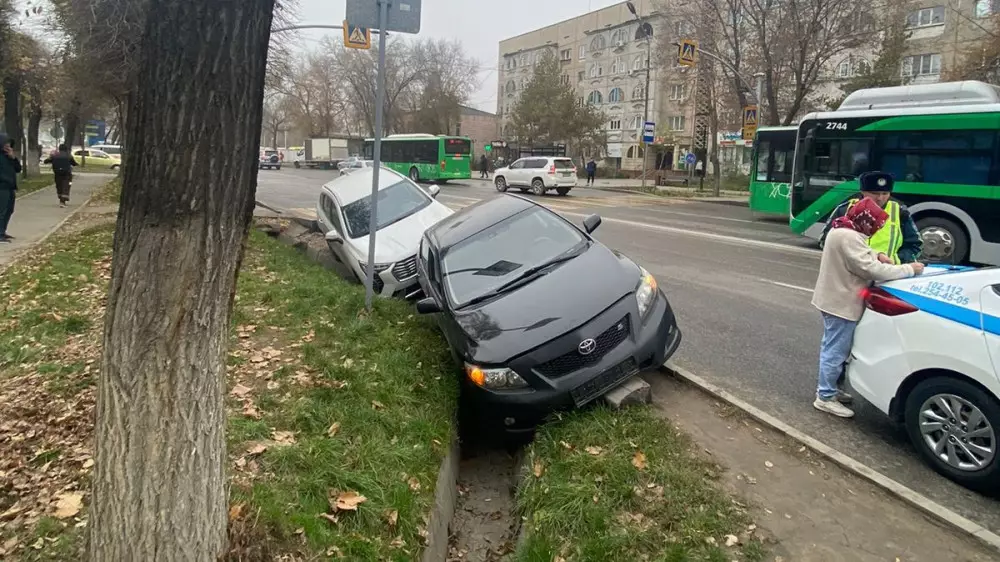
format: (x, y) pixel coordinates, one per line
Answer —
(574, 360)
(406, 268)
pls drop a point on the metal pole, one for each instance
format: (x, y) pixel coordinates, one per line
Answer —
(760, 97)
(383, 15)
(645, 116)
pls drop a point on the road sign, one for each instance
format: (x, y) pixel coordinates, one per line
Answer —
(357, 37)
(648, 132)
(403, 15)
(749, 122)
(687, 53)
(690, 158)
(488, 147)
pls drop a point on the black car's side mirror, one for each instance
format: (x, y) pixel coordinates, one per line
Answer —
(427, 306)
(591, 223)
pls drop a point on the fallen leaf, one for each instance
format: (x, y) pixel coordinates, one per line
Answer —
(235, 511)
(283, 437)
(414, 483)
(710, 540)
(257, 359)
(256, 448)
(594, 450)
(639, 460)
(88, 463)
(250, 410)
(9, 544)
(68, 505)
(309, 337)
(566, 445)
(377, 405)
(348, 363)
(732, 540)
(328, 517)
(240, 391)
(769, 464)
(333, 429)
(391, 516)
(397, 543)
(538, 469)
(349, 501)
(558, 559)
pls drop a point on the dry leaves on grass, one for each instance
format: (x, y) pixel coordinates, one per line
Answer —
(594, 450)
(68, 505)
(538, 469)
(639, 460)
(283, 438)
(346, 501)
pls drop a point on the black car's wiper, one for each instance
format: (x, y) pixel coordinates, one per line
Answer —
(527, 275)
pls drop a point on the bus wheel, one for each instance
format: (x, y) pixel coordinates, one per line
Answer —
(944, 241)
(414, 174)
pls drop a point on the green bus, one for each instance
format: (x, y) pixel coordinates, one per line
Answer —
(425, 157)
(771, 170)
(941, 143)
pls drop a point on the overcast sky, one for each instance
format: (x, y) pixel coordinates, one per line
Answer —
(479, 28)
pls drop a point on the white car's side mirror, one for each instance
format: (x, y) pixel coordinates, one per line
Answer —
(434, 190)
(334, 237)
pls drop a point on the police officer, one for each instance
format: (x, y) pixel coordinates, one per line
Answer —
(899, 240)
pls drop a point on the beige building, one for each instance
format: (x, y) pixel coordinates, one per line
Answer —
(479, 126)
(606, 56)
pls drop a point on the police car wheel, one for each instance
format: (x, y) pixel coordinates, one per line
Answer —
(955, 426)
(944, 241)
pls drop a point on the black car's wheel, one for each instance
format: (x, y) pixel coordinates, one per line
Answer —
(944, 241)
(562, 190)
(296, 164)
(954, 425)
(538, 186)
(501, 184)
(414, 174)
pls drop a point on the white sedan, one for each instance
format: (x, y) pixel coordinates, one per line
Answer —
(927, 353)
(405, 211)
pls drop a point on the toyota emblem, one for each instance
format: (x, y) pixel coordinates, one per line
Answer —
(587, 346)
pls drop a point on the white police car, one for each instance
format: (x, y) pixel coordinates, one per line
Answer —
(927, 353)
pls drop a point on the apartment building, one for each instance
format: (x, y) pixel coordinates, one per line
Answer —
(605, 55)
(480, 126)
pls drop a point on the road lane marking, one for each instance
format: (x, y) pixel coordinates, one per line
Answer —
(788, 286)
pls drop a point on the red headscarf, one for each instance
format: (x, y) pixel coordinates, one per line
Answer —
(865, 217)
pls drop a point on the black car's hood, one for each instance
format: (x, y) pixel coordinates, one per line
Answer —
(568, 296)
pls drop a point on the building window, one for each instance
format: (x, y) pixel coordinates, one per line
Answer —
(581, 75)
(565, 54)
(639, 92)
(616, 124)
(635, 123)
(524, 60)
(618, 67)
(511, 87)
(634, 152)
(595, 97)
(598, 43)
(639, 62)
(852, 66)
(676, 122)
(615, 95)
(986, 8)
(596, 70)
(583, 51)
(564, 79)
(620, 37)
(922, 65)
(925, 17)
(678, 91)
(524, 83)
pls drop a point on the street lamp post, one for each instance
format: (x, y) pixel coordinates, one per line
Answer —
(644, 27)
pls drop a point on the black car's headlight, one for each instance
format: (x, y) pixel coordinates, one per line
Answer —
(645, 293)
(494, 378)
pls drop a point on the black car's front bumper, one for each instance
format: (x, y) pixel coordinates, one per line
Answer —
(650, 342)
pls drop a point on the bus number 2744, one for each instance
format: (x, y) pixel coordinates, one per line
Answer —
(836, 126)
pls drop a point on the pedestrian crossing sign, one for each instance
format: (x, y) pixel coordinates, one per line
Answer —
(687, 52)
(357, 37)
(749, 122)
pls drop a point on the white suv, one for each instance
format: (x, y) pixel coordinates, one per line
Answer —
(538, 173)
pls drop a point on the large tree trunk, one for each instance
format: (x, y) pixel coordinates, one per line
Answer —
(159, 487)
(31, 148)
(12, 111)
(72, 122)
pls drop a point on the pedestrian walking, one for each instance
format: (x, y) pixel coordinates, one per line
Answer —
(847, 267)
(899, 240)
(591, 171)
(484, 167)
(62, 168)
(10, 166)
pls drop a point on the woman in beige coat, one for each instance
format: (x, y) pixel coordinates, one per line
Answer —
(848, 266)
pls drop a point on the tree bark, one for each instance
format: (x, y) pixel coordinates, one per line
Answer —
(31, 147)
(72, 122)
(159, 485)
(12, 111)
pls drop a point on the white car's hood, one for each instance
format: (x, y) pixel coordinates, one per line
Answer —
(401, 239)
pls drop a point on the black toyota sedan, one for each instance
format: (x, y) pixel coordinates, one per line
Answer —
(540, 316)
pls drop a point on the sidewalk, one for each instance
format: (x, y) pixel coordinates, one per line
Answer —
(37, 214)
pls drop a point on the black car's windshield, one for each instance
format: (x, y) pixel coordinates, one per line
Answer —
(395, 203)
(493, 258)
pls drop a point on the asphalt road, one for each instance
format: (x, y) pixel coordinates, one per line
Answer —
(741, 289)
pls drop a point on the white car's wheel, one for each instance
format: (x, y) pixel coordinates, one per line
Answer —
(501, 184)
(538, 187)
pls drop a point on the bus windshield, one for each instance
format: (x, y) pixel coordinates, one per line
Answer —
(771, 171)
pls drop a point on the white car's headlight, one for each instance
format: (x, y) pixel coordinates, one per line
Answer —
(494, 379)
(379, 267)
(645, 293)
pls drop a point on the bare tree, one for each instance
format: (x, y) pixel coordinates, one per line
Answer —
(159, 485)
(277, 117)
(358, 70)
(980, 60)
(446, 80)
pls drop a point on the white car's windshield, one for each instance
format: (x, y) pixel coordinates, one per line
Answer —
(395, 203)
(491, 258)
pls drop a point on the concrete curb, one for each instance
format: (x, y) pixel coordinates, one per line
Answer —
(445, 498)
(911, 497)
(53, 230)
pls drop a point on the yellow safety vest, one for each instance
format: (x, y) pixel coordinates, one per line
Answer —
(889, 239)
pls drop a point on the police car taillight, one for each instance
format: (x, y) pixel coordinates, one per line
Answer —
(883, 302)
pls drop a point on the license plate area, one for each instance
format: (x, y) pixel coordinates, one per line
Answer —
(603, 382)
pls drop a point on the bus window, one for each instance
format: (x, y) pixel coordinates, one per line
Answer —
(763, 160)
(953, 157)
(425, 151)
(840, 158)
(457, 146)
(781, 170)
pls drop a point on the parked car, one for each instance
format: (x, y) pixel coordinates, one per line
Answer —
(270, 159)
(349, 163)
(96, 158)
(927, 353)
(112, 150)
(540, 316)
(405, 211)
(539, 174)
(355, 166)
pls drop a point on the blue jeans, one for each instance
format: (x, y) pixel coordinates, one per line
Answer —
(835, 349)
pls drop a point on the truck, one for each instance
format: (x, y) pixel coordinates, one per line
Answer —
(324, 153)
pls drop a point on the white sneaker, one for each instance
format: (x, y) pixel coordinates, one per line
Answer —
(833, 407)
